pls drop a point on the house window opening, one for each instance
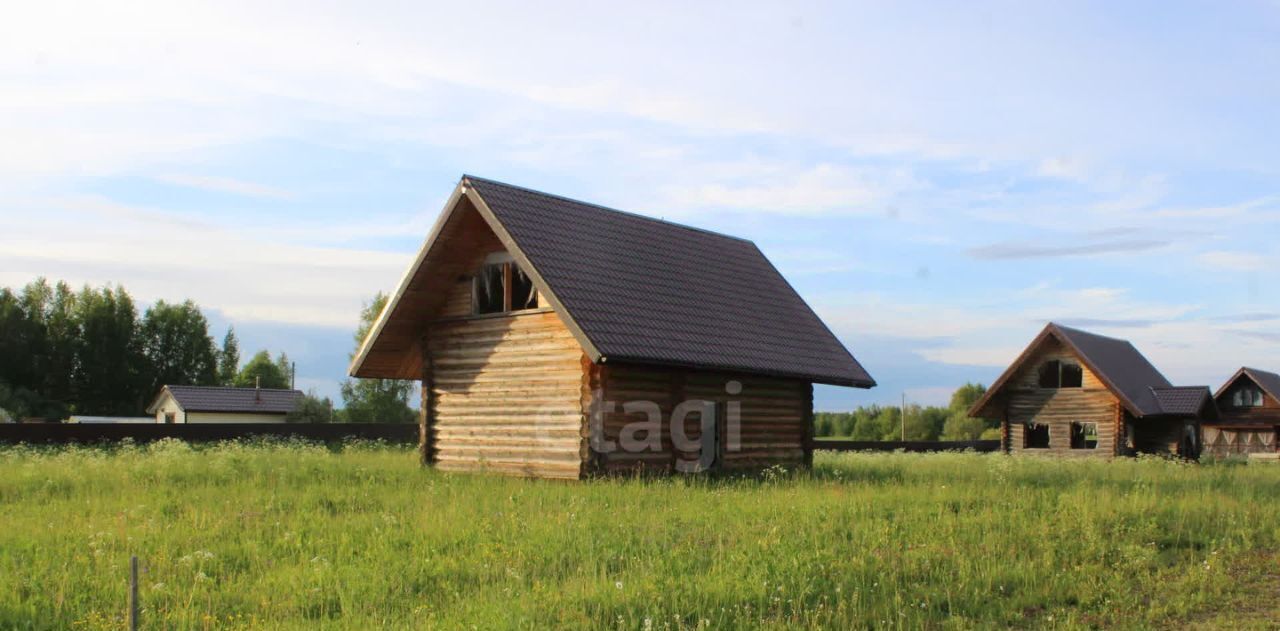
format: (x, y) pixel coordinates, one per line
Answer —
(488, 289)
(1049, 374)
(1059, 374)
(1247, 397)
(523, 295)
(1084, 435)
(1036, 436)
(1072, 376)
(170, 418)
(501, 286)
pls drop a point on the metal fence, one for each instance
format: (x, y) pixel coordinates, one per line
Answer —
(401, 433)
(61, 433)
(909, 445)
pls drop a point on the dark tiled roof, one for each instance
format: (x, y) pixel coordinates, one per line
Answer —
(649, 291)
(1182, 400)
(1120, 366)
(248, 400)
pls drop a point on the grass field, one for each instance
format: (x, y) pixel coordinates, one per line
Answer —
(300, 537)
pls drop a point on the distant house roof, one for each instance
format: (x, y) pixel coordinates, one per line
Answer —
(1268, 381)
(1122, 369)
(234, 400)
(642, 290)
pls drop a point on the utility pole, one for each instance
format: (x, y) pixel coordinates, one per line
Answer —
(903, 418)
(133, 594)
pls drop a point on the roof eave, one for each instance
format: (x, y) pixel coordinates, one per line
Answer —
(846, 382)
(450, 206)
(1230, 382)
(982, 402)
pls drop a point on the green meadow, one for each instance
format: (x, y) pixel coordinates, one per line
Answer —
(296, 536)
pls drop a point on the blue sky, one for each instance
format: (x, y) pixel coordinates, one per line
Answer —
(937, 180)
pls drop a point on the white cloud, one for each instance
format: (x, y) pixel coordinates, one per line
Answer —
(1062, 168)
(91, 240)
(821, 189)
(930, 395)
(1233, 261)
(140, 79)
(994, 331)
(226, 185)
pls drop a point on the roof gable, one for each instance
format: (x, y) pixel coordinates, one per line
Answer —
(642, 290)
(225, 399)
(1124, 371)
(1269, 382)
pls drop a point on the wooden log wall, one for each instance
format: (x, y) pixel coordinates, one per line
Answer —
(457, 302)
(1026, 401)
(507, 395)
(773, 418)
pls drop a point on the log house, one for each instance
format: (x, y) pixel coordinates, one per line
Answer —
(1248, 415)
(556, 338)
(1077, 394)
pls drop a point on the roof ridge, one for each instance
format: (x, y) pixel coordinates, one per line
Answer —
(1259, 370)
(608, 209)
(232, 388)
(1090, 333)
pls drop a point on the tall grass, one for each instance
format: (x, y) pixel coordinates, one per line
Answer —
(293, 536)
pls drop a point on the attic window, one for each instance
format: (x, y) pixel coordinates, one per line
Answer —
(1084, 435)
(1035, 436)
(501, 286)
(1247, 397)
(1072, 376)
(1060, 374)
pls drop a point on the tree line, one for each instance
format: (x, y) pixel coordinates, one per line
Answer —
(89, 352)
(875, 422)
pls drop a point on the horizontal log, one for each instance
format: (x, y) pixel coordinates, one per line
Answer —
(529, 352)
(566, 420)
(558, 397)
(563, 389)
(503, 454)
(542, 320)
(529, 375)
(464, 338)
(522, 469)
(456, 410)
(482, 431)
(487, 361)
(507, 444)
